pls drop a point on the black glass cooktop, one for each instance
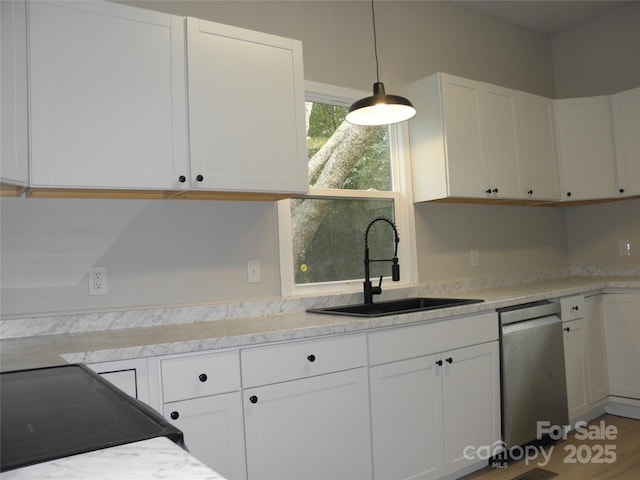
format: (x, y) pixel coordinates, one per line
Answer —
(54, 412)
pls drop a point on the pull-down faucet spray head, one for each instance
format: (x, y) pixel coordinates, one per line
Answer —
(369, 290)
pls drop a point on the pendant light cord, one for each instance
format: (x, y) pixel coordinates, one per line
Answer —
(375, 41)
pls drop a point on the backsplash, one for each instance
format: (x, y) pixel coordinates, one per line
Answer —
(59, 324)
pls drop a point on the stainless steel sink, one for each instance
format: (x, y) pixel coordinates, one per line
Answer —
(394, 307)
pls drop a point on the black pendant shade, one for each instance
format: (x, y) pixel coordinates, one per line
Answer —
(380, 108)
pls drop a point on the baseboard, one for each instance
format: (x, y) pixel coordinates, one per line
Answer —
(623, 407)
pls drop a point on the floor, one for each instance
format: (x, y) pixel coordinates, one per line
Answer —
(608, 450)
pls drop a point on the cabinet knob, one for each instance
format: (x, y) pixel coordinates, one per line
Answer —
(202, 377)
(253, 399)
(174, 415)
(311, 358)
(530, 192)
(439, 363)
(567, 329)
(568, 194)
(199, 178)
(495, 190)
(182, 179)
(575, 308)
(621, 190)
(449, 360)
(488, 191)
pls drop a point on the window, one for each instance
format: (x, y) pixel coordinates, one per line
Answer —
(356, 175)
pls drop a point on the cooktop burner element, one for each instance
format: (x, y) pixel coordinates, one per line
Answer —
(55, 412)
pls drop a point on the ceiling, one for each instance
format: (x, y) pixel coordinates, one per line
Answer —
(544, 16)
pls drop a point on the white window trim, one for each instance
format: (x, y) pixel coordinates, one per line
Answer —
(403, 201)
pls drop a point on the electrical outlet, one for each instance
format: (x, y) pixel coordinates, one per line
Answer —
(624, 248)
(97, 280)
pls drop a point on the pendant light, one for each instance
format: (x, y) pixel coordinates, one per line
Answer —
(379, 109)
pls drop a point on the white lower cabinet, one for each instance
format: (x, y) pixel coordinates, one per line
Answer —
(576, 367)
(388, 405)
(596, 348)
(407, 436)
(425, 432)
(201, 397)
(306, 410)
(622, 331)
(470, 373)
(422, 426)
(310, 429)
(212, 428)
(585, 354)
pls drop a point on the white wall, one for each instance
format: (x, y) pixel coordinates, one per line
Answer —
(509, 239)
(415, 39)
(160, 252)
(599, 57)
(163, 252)
(594, 232)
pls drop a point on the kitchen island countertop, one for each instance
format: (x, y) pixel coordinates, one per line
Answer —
(147, 460)
(129, 343)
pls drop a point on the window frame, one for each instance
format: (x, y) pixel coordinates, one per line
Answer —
(401, 195)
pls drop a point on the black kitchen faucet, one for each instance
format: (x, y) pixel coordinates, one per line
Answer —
(370, 290)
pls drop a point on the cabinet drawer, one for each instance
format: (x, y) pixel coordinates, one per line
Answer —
(199, 375)
(572, 308)
(415, 341)
(289, 361)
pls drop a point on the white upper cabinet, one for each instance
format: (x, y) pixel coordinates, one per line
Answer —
(498, 124)
(446, 141)
(625, 110)
(107, 90)
(538, 161)
(14, 161)
(246, 110)
(479, 141)
(585, 146)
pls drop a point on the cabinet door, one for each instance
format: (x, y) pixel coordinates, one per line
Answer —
(585, 145)
(314, 428)
(499, 141)
(625, 110)
(470, 375)
(14, 166)
(246, 110)
(464, 157)
(539, 178)
(575, 361)
(406, 421)
(212, 428)
(596, 350)
(622, 331)
(107, 96)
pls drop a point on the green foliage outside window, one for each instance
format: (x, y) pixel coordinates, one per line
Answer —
(333, 229)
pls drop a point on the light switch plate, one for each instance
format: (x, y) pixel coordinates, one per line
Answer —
(253, 271)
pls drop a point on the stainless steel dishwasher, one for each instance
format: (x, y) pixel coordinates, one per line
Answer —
(532, 375)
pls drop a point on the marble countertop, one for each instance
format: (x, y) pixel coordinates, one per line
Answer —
(157, 458)
(128, 343)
